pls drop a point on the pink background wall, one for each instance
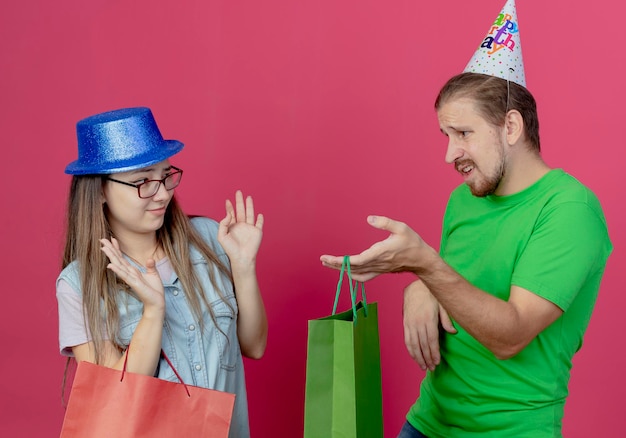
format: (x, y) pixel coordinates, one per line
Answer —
(323, 111)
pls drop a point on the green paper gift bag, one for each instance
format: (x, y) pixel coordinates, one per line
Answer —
(343, 397)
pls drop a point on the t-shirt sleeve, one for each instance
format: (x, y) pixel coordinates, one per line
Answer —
(72, 329)
(569, 243)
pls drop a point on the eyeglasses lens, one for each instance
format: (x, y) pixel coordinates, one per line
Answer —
(150, 188)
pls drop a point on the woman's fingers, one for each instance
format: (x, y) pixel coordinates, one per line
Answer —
(243, 210)
(260, 220)
(230, 210)
(249, 210)
(240, 206)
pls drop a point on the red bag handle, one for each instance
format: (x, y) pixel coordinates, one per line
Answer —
(168, 362)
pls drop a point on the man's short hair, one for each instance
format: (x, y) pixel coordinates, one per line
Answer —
(494, 97)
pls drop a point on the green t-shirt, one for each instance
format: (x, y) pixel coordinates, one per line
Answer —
(550, 239)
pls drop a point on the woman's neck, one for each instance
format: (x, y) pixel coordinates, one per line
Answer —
(140, 248)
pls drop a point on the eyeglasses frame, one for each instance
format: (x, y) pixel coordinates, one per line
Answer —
(160, 181)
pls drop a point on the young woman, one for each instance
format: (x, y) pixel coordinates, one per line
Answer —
(139, 276)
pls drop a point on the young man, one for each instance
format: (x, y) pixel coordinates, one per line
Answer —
(522, 255)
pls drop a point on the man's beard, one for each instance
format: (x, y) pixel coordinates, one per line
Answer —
(488, 184)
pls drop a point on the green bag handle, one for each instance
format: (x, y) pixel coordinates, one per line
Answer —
(354, 289)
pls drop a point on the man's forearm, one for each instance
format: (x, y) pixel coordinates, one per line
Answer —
(490, 320)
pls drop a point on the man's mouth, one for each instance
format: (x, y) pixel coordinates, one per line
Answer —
(465, 168)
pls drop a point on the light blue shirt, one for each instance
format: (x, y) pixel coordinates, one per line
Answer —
(209, 358)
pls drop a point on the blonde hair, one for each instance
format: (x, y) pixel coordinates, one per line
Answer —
(87, 223)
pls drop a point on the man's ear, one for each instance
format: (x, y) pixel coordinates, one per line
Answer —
(514, 124)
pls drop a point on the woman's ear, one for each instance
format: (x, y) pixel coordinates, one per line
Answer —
(514, 124)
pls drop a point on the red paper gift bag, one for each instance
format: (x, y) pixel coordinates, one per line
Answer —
(106, 403)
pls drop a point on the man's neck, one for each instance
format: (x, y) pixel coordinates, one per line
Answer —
(523, 170)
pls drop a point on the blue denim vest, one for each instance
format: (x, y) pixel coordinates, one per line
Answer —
(209, 358)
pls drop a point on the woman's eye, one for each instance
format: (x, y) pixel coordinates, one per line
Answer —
(140, 181)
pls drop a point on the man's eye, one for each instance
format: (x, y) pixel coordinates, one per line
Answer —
(140, 181)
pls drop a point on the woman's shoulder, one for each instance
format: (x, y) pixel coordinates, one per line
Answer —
(207, 229)
(205, 226)
(71, 275)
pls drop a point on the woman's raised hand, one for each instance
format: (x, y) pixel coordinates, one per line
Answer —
(147, 285)
(240, 233)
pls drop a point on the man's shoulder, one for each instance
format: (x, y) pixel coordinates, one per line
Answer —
(565, 188)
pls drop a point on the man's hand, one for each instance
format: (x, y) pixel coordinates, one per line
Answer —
(422, 315)
(400, 252)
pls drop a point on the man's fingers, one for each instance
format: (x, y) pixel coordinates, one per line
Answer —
(433, 346)
(445, 320)
(385, 223)
(412, 346)
(366, 276)
(429, 344)
(331, 261)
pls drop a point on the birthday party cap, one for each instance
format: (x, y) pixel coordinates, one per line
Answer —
(500, 53)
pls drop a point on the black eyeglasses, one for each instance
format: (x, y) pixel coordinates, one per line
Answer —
(150, 187)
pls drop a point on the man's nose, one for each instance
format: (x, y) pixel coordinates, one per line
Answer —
(454, 151)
